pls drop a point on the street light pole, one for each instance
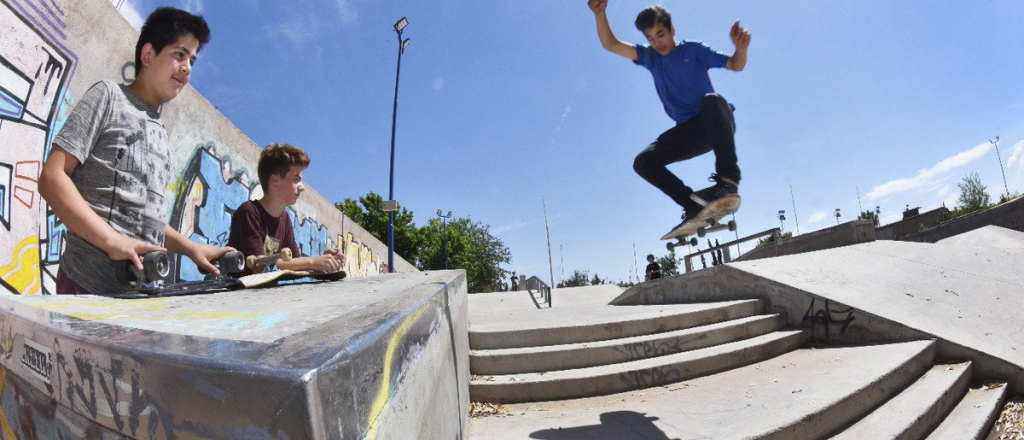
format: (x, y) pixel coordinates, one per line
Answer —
(401, 24)
(782, 218)
(837, 216)
(1000, 157)
(444, 230)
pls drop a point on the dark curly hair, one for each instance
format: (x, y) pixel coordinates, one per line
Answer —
(651, 16)
(165, 26)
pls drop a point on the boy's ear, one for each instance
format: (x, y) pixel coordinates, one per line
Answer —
(148, 53)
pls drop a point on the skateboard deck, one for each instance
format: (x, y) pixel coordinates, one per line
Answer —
(271, 278)
(706, 221)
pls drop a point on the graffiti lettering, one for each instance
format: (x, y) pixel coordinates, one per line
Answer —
(824, 317)
(651, 377)
(38, 359)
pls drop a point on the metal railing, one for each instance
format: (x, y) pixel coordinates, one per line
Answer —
(720, 252)
(536, 287)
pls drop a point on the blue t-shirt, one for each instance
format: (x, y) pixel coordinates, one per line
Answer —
(681, 77)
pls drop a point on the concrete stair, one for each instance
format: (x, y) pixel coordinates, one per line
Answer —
(884, 391)
(613, 349)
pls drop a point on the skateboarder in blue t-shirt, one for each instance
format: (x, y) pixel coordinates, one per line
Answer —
(704, 120)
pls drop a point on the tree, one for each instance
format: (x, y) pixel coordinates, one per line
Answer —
(869, 215)
(596, 281)
(973, 195)
(578, 278)
(369, 213)
(470, 247)
(669, 264)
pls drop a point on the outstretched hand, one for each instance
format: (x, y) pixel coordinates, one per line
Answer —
(597, 6)
(740, 36)
(122, 248)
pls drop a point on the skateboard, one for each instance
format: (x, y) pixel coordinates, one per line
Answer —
(156, 267)
(707, 221)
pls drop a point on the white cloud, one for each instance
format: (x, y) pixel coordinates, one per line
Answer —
(928, 177)
(347, 12)
(193, 6)
(130, 11)
(518, 223)
(294, 32)
(817, 217)
(1016, 157)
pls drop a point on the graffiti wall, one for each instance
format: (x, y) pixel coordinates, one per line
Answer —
(50, 53)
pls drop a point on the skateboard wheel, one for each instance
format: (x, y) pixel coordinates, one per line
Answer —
(155, 266)
(670, 246)
(286, 254)
(231, 262)
(732, 225)
(701, 232)
(693, 242)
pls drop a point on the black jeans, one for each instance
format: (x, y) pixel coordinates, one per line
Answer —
(711, 129)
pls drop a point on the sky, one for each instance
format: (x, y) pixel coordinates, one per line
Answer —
(511, 113)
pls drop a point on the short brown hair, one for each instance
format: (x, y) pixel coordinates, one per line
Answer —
(277, 159)
(651, 16)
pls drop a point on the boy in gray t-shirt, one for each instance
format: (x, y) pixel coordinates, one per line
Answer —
(107, 174)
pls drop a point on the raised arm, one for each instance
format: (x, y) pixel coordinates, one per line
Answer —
(604, 31)
(741, 39)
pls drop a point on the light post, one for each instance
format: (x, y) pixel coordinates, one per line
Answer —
(444, 230)
(1000, 157)
(837, 216)
(782, 218)
(391, 202)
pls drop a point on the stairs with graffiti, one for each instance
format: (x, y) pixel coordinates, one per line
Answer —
(728, 369)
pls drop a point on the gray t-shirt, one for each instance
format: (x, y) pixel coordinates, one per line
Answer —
(123, 174)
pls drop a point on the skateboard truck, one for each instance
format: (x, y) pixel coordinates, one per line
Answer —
(252, 261)
(156, 266)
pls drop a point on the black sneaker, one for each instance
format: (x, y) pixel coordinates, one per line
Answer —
(723, 186)
(690, 212)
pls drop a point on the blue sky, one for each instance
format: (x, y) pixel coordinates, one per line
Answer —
(503, 104)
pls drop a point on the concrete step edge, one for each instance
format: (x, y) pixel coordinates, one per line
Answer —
(918, 409)
(974, 416)
(589, 354)
(626, 376)
(612, 327)
(845, 411)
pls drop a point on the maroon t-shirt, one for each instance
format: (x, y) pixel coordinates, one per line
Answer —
(255, 232)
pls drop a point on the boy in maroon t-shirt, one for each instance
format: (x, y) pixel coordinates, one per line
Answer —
(262, 227)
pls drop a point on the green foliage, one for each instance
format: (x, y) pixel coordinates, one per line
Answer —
(369, 213)
(1003, 198)
(973, 195)
(578, 278)
(597, 281)
(771, 239)
(869, 215)
(669, 264)
(470, 247)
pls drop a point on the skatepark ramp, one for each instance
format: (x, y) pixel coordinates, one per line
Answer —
(874, 340)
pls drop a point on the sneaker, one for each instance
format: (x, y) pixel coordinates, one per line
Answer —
(690, 212)
(723, 186)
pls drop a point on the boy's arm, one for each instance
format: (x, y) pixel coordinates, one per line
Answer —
(741, 38)
(332, 261)
(57, 188)
(604, 31)
(201, 254)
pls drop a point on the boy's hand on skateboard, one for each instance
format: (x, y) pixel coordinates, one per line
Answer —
(598, 6)
(124, 248)
(203, 254)
(328, 262)
(740, 36)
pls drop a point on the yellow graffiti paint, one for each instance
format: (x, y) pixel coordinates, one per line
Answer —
(5, 425)
(384, 393)
(22, 272)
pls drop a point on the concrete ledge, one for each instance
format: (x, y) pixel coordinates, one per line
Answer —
(376, 357)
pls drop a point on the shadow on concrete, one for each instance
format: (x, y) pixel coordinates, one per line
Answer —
(614, 425)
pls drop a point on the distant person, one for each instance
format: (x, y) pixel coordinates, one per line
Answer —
(515, 283)
(107, 174)
(653, 269)
(384, 268)
(704, 120)
(263, 227)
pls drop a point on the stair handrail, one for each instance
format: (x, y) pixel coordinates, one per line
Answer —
(536, 285)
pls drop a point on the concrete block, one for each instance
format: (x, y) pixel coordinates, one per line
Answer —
(974, 415)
